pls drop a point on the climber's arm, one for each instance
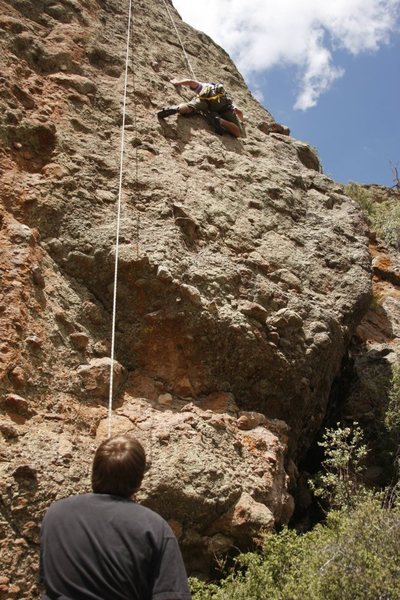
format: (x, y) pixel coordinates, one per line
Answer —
(192, 83)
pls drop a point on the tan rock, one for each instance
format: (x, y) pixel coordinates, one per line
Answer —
(17, 404)
(54, 170)
(81, 84)
(95, 377)
(219, 402)
(246, 520)
(18, 377)
(250, 420)
(120, 425)
(8, 429)
(79, 340)
(165, 399)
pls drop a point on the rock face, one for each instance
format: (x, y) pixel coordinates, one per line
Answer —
(374, 350)
(243, 272)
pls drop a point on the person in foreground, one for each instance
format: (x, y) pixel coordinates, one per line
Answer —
(104, 546)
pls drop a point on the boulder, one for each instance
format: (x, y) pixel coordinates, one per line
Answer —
(95, 377)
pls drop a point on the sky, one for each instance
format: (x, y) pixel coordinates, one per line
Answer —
(328, 69)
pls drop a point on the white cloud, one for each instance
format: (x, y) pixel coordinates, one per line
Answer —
(261, 34)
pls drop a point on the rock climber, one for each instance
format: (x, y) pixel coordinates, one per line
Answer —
(105, 546)
(212, 102)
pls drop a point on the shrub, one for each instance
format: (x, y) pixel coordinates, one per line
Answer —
(354, 556)
(386, 222)
(392, 423)
(382, 214)
(392, 417)
(340, 483)
(363, 197)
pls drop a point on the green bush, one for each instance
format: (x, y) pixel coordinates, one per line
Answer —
(386, 222)
(383, 215)
(354, 555)
(392, 417)
(392, 423)
(340, 481)
(363, 197)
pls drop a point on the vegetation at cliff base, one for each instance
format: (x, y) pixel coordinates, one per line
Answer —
(383, 213)
(353, 555)
(392, 417)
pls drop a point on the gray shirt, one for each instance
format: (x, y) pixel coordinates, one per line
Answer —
(102, 547)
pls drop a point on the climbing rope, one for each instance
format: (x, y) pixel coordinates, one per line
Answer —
(119, 201)
(118, 225)
(180, 41)
(137, 232)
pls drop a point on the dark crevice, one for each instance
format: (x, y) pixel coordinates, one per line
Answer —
(310, 510)
(359, 394)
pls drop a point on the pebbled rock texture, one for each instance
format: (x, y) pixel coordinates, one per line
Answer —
(243, 272)
(374, 351)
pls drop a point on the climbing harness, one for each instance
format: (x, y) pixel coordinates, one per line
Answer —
(118, 224)
(180, 41)
(212, 97)
(215, 94)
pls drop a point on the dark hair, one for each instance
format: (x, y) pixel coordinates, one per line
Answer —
(118, 466)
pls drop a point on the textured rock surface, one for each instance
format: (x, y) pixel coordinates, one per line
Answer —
(374, 351)
(243, 273)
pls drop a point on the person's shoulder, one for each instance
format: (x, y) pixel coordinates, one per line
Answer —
(69, 502)
(75, 499)
(146, 512)
(150, 517)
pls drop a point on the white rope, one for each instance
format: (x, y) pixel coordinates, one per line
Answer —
(118, 226)
(118, 223)
(180, 40)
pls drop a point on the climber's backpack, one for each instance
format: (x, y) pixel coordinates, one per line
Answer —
(216, 96)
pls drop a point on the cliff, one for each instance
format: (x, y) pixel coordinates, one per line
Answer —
(243, 273)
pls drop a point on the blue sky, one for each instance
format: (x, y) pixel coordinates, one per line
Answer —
(329, 70)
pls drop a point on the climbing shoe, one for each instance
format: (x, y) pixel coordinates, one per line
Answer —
(167, 111)
(216, 124)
